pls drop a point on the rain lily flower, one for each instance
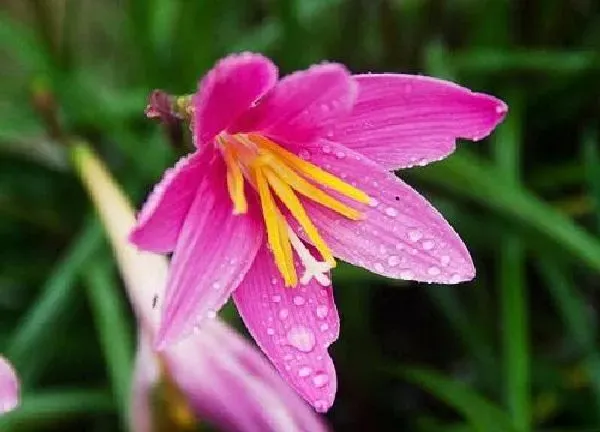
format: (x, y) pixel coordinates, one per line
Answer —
(9, 387)
(220, 376)
(289, 174)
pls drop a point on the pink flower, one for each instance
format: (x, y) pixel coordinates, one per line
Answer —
(9, 387)
(286, 176)
(220, 375)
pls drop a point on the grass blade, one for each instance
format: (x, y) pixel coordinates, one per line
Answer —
(511, 279)
(58, 405)
(113, 329)
(482, 414)
(41, 320)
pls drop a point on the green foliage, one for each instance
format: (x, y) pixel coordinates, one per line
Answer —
(518, 347)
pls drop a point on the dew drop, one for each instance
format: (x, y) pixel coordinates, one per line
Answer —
(445, 260)
(391, 212)
(326, 149)
(301, 338)
(299, 300)
(500, 109)
(322, 311)
(393, 260)
(433, 271)
(415, 235)
(276, 298)
(422, 162)
(340, 155)
(320, 380)
(274, 281)
(324, 327)
(216, 285)
(283, 314)
(320, 405)
(379, 267)
(428, 245)
(305, 371)
(406, 274)
(270, 331)
(455, 278)
(305, 154)
(373, 203)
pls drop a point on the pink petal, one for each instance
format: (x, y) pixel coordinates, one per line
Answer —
(402, 235)
(227, 90)
(303, 105)
(162, 216)
(230, 383)
(9, 387)
(214, 251)
(293, 326)
(404, 120)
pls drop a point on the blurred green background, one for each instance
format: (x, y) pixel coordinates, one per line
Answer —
(515, 350)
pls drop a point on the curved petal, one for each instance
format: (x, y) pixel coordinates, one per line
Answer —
(402, 235)
(162, 215)
(303, 105)
(214, 251)
(227, 90)
(216, 367)
(293, 326)
(404, 120)
(9, 387)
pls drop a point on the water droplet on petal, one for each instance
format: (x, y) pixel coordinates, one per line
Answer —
(391, 212)
(433, 271)
(283, 314)
(299, 300)
(500, 109)
(301, 338)
(324, 327)
(340, 155)
(415, 235)
(322, 311)
(406, 274)
(270, 331)
(393, 260)
(455, 278)
(320, 405)
(326, 149)
(304, 154)
(379, 267)
(320, 380)
(445, 260)
(304, 371)
(373, 203)
(428, 245)
(216, 285)
(274, 281)
(276, 298)
(422, 162)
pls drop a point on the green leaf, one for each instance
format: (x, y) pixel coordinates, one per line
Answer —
(472, 177)
(591, 161)
(113, 328)
(49, 406)
(482, 414)
(41, 320)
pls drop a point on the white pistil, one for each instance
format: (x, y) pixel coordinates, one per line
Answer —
(312, 267)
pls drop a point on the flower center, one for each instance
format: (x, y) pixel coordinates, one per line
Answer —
(277, 173)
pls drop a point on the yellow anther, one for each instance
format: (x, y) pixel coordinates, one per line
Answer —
(291, 201)
(311, 171)
(277, 238)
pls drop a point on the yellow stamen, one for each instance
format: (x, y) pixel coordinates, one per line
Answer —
(291, 201)
(311, 191)
(277, 239)
(310, 170)
(235, 181)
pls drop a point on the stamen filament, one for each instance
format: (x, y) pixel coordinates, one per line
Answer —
(273, 222)
(235, 182)
(291, 201)
(310, 170)
(309, 190)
